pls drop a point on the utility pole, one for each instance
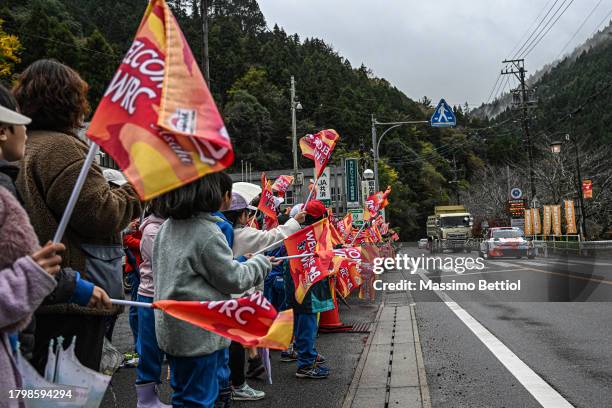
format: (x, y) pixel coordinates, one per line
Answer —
(205, 63)
(578, 176)
(455, 181)
(518, 70)
(507, 181)
(375, 153)
(294, 106)
(376, 141)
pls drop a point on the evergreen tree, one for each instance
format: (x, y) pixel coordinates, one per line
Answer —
(98, 66)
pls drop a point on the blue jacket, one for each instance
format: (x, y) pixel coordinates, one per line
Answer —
(228, 230)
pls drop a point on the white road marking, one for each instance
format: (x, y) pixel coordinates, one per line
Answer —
(503, 264)
(535, 263)
(482, 272)
(533, 383)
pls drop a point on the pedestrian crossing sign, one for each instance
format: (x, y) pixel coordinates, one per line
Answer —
(443, 116)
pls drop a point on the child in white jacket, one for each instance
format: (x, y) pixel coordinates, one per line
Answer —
(248, 240)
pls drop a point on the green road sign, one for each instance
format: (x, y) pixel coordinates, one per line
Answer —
(357, 216)
(352, 182)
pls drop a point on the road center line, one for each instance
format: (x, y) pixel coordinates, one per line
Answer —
(533, 383)
(454, 274)
(569, 275)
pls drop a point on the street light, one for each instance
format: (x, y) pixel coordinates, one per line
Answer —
(555, 148)
(368, 174)
(376, 143)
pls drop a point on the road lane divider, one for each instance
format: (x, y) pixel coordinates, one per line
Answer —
(546, 395)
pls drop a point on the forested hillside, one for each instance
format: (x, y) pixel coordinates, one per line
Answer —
(250, 68)
(573, 97)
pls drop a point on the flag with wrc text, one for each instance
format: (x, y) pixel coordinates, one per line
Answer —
(266, 201)
(319, 147)
(282, 184)
(157, 118)
(315, 240)
(377, 201)
(250, 320)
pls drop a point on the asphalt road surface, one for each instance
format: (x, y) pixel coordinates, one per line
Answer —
(545, 345)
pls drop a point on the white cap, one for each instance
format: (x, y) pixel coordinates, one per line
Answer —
(114, 176)
(247, 190)
(296, 209)
(10, 117)
(278, 201)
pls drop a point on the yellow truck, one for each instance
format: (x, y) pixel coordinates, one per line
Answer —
(450, 227)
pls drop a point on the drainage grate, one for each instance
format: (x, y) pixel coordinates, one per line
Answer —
(360, 327)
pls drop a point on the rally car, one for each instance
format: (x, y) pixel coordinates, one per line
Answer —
(506, 241)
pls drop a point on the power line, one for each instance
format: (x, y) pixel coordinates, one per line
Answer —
(523, 43)
(527, 52)
(536, 29)
(493, 88)
(579, 28)
(602, 21)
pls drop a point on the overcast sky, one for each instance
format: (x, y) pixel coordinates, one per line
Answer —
(439, 48)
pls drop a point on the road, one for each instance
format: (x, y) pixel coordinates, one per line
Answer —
(545, 345)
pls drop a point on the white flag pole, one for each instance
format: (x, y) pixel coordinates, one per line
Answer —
(271, 246)
(282, 258)
(314, 187)
(130, 303)
(74, 196)
(358, 232)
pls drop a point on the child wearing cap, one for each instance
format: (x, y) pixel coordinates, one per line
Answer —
(248, 240)
(318, 299)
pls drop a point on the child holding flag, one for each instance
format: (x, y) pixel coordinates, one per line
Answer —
(318, 299)
(194, 262)
(248, 240)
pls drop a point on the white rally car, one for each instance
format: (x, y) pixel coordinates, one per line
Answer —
(506, 241)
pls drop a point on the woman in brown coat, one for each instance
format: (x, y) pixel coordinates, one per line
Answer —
(54, 97)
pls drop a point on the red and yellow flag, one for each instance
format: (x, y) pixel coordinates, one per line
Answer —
(377, 201)
(282, 184)
(250, 320)
(336, 237)
(345, 225)
(266, 201)
(319, 147)
(347, 277)
(314, 239)
(157, 118)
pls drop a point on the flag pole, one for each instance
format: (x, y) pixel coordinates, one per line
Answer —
(314, 187)
(282, 258)
(61, 228)
(130, 303)
(271, 246)
(253, 219)
(357, 234)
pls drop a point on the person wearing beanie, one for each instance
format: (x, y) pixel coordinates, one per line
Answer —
(318, 299)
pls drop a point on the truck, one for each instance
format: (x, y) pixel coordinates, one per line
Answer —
(450, 227)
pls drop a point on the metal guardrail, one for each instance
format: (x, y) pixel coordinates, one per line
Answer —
(572, 246)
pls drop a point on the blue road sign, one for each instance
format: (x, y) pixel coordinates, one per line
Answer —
(516, 193)
(443, 115)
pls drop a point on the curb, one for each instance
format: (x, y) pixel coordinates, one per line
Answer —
(350, 395)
